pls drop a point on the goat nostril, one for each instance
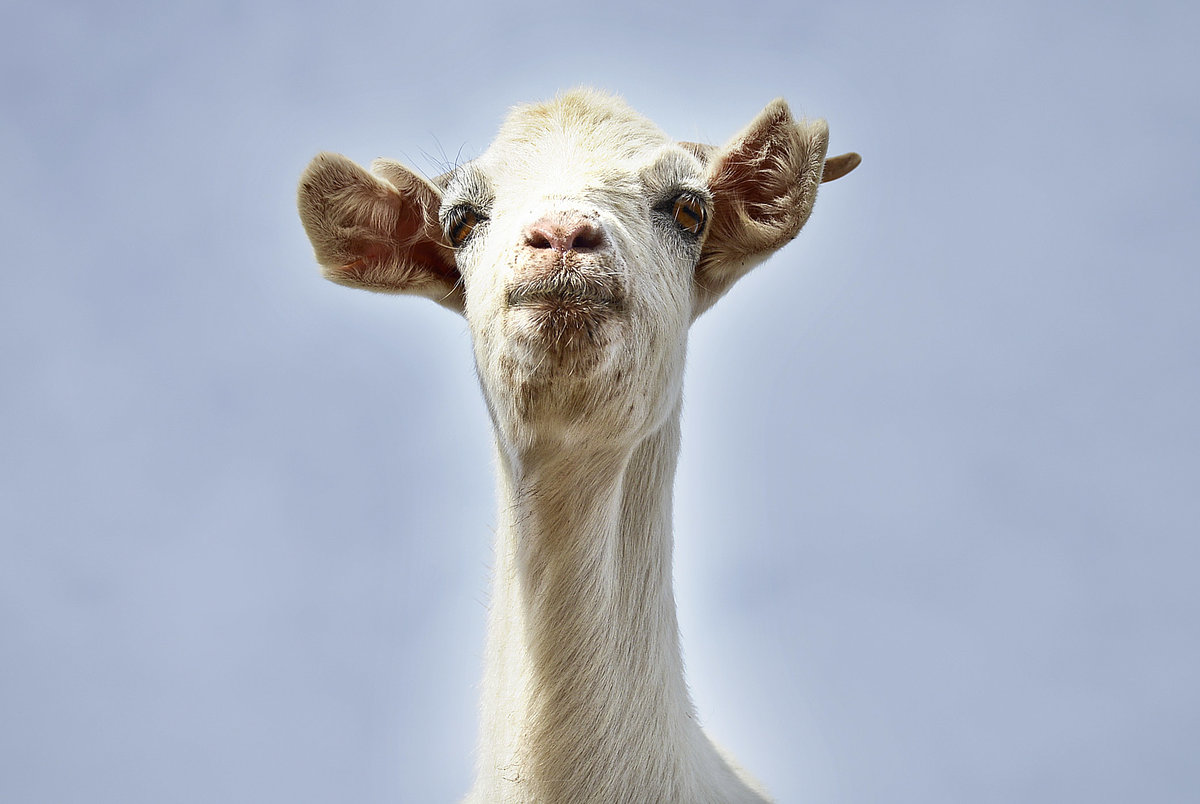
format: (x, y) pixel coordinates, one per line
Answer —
(587, 238)
(539, 239)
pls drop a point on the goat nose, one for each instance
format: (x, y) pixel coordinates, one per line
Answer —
(565, 232)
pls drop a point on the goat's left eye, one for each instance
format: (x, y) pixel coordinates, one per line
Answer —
(688, 211)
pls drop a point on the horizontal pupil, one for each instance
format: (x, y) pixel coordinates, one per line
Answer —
(687, 215)
(463, 227)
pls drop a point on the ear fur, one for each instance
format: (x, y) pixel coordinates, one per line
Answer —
(763, 182)
(378, 232)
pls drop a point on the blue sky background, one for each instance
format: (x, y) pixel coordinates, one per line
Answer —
(939, 499)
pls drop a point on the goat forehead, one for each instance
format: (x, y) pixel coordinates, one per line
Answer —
(582, 139)
(585, 119)
(571, 157)
(563, 179)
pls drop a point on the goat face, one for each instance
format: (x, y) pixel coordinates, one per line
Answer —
(577, 274)
(579, 246)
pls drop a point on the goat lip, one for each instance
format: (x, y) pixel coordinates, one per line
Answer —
(565, 291)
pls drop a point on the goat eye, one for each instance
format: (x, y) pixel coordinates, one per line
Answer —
(688, 211)
(460, 224)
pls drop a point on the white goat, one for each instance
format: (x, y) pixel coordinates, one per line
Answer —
(580, 247)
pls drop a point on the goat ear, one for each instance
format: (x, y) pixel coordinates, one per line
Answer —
(378, 231)
(838, 166)
(763, 183)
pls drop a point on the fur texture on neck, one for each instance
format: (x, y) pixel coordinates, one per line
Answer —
(584, 696)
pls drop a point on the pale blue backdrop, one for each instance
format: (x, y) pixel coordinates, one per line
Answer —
(940, 494)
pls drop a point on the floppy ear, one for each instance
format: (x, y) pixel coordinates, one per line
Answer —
(378, 232)
(763, 183)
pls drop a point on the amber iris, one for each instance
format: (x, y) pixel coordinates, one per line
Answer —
(461, 224)
(689, 213)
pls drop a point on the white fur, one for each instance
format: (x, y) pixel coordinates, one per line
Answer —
(580, 355)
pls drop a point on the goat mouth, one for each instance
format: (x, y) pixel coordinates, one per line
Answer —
(567, 290)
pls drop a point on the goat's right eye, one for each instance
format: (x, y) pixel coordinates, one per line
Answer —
(688, 210)
(460, 223)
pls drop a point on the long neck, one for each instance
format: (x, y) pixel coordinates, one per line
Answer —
(584, 696)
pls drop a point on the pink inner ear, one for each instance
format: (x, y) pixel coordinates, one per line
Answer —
(414, 241)
(423, 253)
(437, 258)
(370, 256)
(752, 182)
(373, 252)
(419, 237)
